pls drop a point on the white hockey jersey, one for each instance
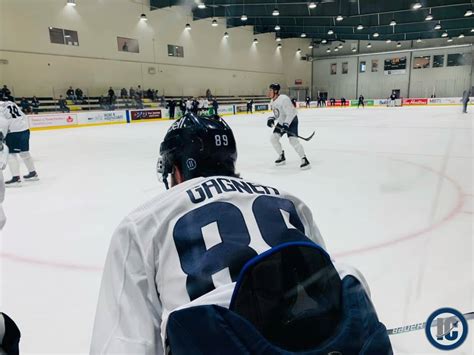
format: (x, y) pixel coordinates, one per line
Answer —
(283, 109)
(12, 118)
(186, 247)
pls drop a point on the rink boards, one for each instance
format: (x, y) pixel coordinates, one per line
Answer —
(94, 118)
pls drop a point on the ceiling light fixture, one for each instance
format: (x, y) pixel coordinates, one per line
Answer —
(438, 26)
(312, 5)
(399, 45)
(375, 35)
(354, 50)
(445, 34)
(339, 18)
(418, 40)
(328, 50)
(429, 17)
(255, 40)
(214, 23)
(143, 17)
(243, 17)
(71, 2)
(310, 46)
(336, 49)
(279, 45)
(188, 26)
(298, 51)
(369, 45)
(468, 13)
(330, 32)
(461, 35)
(450, 39)
(303, 35)
(201, 5)
(393, 23)
(275, 12)
(388, 41)
(360, 27)
(278, 39)
(324, 41)
(226, 35)
(277, 28)
(417, 6)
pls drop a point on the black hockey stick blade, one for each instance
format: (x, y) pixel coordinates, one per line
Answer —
(308, 138)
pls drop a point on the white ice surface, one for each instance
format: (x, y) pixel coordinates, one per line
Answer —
(391, 191)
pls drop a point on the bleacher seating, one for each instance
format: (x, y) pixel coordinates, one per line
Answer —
(49, 104)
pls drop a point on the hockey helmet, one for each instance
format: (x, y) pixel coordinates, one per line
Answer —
(199, 146)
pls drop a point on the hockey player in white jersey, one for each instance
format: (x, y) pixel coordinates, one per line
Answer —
(3, 165)
(284, 112)
(186, 247)
(15, 127)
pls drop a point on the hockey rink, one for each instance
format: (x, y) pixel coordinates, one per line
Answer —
(390, 189)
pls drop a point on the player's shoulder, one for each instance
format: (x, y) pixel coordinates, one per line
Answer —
(162, 202)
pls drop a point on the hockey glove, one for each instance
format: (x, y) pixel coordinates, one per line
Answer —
(285, 128)
(271, 122)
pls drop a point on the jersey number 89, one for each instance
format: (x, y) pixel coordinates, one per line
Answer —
(232, 249)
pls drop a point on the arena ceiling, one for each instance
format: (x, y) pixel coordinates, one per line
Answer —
(336, 20)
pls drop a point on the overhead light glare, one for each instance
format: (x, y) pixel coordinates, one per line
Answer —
(71, 2)
(201, 5)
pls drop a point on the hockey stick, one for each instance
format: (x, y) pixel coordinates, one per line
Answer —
(303, 138)
(421, 326)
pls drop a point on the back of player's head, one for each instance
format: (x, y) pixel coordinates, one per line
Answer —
(198, 146)
(275, 87)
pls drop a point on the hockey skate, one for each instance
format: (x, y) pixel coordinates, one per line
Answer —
(32, 176)
(15, 181)
(281, 159)
(305, 164)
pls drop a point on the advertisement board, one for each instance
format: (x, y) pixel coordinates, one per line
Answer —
(240, 108)
(395, 65)
(261, 107)
(145, 114)
(416, 101)
(366, 102)
(53, 120)
(101, 117)
(226, 110)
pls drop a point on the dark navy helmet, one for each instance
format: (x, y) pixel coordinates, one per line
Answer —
(275, 87)
(198, 146)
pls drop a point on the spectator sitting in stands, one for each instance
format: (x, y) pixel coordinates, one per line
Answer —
(138, 102)
(79, 95)
(139, 92)
(149, 94)
(63, 104)
(70, 95)
(35, 104)
(123, 93)
(132, 92)
(155, 96)
(25, 105)
(103, 102)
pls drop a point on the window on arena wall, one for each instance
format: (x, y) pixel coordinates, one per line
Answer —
(128, 45)
(421, 62)
(362, 67)
(457, 59)
(333, 68)
(175, 51)
(62, 36)
(345, 68)
(438, 61)
(375, 65)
